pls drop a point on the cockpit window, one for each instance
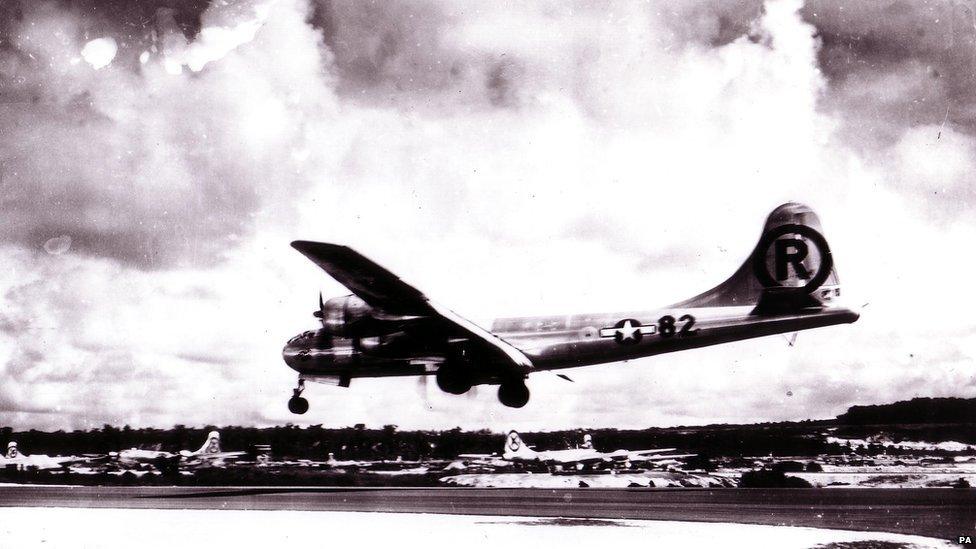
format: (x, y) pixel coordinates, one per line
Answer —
(301, 336)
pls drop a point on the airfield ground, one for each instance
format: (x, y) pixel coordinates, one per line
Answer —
(53, 528)
(935, 513)
(767, 484)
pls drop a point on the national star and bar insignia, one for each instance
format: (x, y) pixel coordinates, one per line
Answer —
(628, 331)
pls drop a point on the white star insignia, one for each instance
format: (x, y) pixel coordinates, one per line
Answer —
(629, 331)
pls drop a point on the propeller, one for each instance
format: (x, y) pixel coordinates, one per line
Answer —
(320, 314)
(424, 390)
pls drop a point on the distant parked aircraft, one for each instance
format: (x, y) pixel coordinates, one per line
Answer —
(519, 452)
(333, 462)
(14, 458)
(209, 452)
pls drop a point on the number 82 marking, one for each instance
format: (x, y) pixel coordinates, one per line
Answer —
(666, 326)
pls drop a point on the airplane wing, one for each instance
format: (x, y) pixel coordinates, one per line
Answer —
(66, 461)
(662, 457)
(213, 456)
(375, 285)
(574, 456)
(383, 290)
(650, 452)
(642, 455)
(590, 460)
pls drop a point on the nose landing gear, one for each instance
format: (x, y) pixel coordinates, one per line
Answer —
(297, 404)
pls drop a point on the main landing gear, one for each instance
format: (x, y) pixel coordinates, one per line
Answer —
(513, 393)
(454, 380)
(297, 404)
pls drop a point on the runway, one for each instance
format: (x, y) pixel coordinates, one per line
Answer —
(938, 513)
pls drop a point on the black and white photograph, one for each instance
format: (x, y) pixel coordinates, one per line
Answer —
(442, 273)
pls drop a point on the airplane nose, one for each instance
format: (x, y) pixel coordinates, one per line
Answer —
(301, 351)
(290, 355)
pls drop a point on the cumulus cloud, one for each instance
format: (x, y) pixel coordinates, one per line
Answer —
(901, 63)
(518, 159)
(901, 79)
(142, 165)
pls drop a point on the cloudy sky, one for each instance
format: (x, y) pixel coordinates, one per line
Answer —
(507, 158)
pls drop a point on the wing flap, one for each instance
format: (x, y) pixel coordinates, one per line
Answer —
(503, 349)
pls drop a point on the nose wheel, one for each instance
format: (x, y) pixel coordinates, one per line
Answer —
(297, 404)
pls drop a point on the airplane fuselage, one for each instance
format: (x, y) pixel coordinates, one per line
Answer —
(557, 342)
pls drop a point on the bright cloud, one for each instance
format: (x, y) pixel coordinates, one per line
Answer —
(522, 159)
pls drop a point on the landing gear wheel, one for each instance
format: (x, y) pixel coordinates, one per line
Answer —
(513, 394)
(454, 380)
(297, 405)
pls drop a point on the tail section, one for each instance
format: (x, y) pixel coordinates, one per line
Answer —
(791, 267)
(515, 448)
(211, 446)
(587, 442)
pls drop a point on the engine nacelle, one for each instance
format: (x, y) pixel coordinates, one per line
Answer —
(347, 316)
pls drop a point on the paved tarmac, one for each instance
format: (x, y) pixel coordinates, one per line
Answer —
(938, 513)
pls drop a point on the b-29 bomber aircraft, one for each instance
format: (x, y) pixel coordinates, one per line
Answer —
(582, 457)
(13, 458)
(389, 328)
(210, 452)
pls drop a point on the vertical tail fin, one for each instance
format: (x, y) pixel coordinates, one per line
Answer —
(515, 448)
(791, 267)
(212, 445)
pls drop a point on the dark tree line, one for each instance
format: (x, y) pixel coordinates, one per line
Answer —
(932, 420)
(314, 442)
(916, 410)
